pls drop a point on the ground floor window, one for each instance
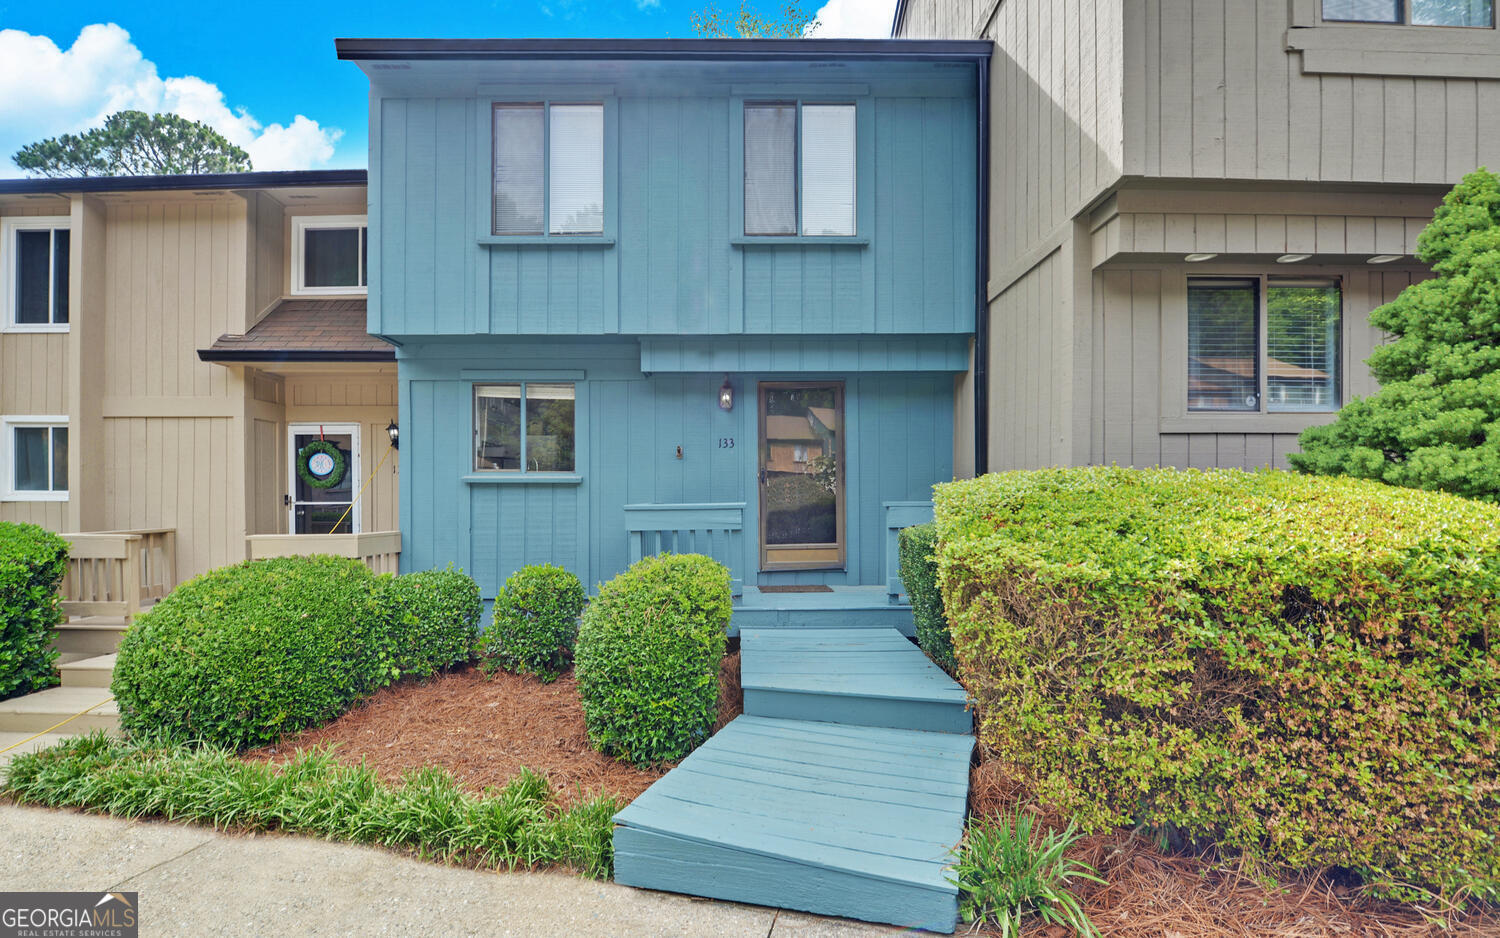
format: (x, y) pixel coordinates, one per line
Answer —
(36, 458)
(524, 426)
(1264, 345)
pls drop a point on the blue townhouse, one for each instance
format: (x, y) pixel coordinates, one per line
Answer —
(710, 295)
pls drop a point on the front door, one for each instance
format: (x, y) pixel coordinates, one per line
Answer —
(802, 475)
(323, 476)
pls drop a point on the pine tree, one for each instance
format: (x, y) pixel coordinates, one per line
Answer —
(1435, 422)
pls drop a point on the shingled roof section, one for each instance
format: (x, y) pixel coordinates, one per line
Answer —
(303, 329)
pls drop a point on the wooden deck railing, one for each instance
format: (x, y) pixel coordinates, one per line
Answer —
(716, 530)
(380, 550)
(900, 515)
(118, 573)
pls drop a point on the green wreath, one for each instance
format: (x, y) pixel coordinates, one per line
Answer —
(334, 476)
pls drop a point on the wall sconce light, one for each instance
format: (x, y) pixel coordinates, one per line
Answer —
(726, 395)
(395, 434)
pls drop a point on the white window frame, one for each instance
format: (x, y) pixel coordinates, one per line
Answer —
(9, 228)
(301, 224)
(8, 427)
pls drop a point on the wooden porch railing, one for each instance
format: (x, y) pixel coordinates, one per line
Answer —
(118, 573)
(900, 515)
(716, 530)
(380, 550)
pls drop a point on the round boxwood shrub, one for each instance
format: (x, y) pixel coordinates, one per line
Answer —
(32, 563)
(919, 574)
(1301, 669)
(535, 624)
(433, 616)
(245, 654)
(648, 658)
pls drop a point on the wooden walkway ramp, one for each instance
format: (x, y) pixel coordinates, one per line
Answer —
(840, 791)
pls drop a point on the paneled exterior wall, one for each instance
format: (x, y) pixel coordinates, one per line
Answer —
(670, 264)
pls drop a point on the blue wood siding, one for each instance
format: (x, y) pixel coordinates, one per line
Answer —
(673, 263)
(899, 442)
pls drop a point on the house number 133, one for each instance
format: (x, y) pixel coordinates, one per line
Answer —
(726, 442)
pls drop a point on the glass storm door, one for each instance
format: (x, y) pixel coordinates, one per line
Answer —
(802, 475)
(322, 484)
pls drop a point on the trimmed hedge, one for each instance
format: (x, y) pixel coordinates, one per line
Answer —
(33, 561)
(648, 657)
(247, 653)
(919, 574)
(1303, 669)
(434, 618)
(535, 623)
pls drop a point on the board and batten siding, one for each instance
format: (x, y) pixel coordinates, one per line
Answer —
(673, 267)
(368, 400)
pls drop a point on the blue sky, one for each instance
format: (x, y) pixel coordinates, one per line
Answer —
(269, 81)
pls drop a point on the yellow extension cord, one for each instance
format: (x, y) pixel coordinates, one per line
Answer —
(108, 699)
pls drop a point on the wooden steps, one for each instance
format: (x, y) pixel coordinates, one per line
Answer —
(96, 671)
(89, 636)
(867, 677)
(845, 607)
(36, 712)
(856, 821)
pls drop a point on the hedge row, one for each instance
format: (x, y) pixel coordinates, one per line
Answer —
(1304, 669)
(919, 574)
(32, 563)
(245, 654)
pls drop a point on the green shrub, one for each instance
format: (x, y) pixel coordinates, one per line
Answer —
(536, 622)
(919, 574)
(1303, 669)
(32, 563)
(244, 654)
(1005, 871)
(648, 658)
(433, 616)
(518, 825)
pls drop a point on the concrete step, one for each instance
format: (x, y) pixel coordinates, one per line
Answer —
(39, 711)
(857, 676)
(88, 672)
(837, 820)
(8, 740)
(95, 635)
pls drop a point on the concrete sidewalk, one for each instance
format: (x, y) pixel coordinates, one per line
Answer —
(195, 881)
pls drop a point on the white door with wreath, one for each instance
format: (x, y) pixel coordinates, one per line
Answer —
(324, 465)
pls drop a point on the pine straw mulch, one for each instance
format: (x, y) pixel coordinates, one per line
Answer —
(1159, 895)
(484, 730)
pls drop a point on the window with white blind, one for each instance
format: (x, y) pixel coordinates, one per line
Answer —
(548, 169)
(800, 169)
(35, 254)
(1472, 13)
(1264, 345)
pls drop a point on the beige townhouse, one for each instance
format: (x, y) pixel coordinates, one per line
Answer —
(169, 349)
(1193, 207)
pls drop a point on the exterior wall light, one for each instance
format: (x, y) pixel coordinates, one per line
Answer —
(726, 395)
(1199, 258)
(1292, 258)
(395, 434)
(1384, 258)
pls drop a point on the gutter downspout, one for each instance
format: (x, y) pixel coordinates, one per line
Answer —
(982, 286)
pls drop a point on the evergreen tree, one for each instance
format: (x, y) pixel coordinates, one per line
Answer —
(1435, 422)
(134, 143)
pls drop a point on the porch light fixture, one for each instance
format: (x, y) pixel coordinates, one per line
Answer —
(395, 434)
(1199, 258)
(726, 395)
(1384, 258)
(1292, 258)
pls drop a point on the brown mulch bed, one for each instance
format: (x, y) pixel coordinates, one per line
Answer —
(485, 729)
(1150, 893)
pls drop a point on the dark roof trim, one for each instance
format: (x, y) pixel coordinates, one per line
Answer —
(896, 18)
(664, 49)
(268, 180)
(297, 355)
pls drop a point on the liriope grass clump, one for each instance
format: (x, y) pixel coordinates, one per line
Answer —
(1006, 871)
(427, 813)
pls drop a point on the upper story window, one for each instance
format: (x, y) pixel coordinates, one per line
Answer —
(548, 165)
(1412, 12)
(35, 254)
(524, 426)
(799, 169)
(1264, 345)
(329, 254)
(36, 458)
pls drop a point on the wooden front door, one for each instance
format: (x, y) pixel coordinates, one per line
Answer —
(802, 475)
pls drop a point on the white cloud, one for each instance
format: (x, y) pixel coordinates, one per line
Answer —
(644, 5)
(855, 19)
(45, 90)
